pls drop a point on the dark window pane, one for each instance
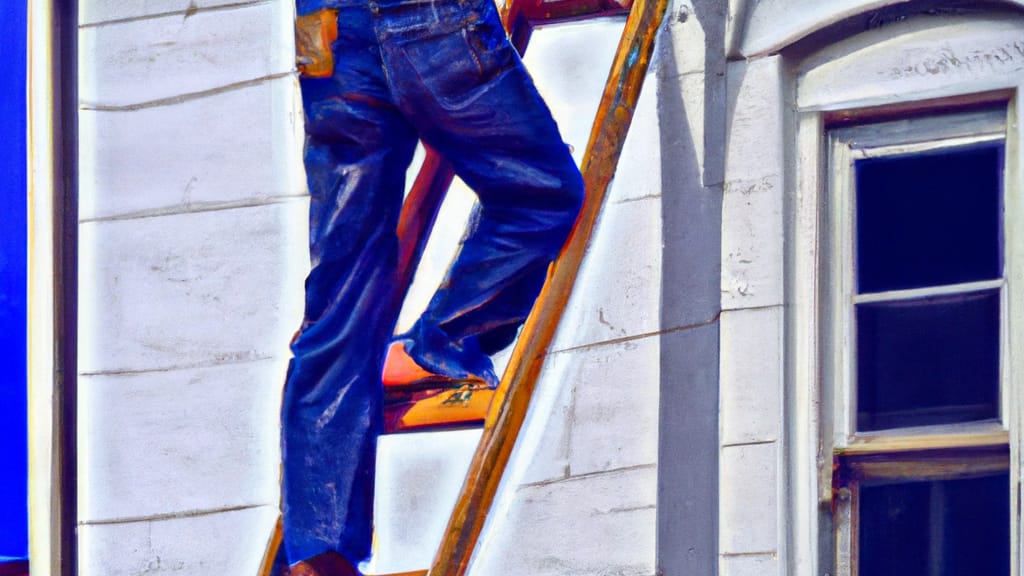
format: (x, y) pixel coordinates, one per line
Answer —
(939, 528)
(929, 219)
(928, 361)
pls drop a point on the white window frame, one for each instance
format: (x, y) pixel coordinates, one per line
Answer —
(972, 441)
(877, 140)
(833, 86)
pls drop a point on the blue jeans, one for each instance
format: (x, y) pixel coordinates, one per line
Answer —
(441, 71)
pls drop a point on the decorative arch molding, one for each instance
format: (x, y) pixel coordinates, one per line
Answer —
(768, 26)
(917, 59)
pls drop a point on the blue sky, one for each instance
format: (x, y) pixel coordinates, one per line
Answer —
(13, 409)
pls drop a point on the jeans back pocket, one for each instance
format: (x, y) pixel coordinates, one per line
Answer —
(452, 66)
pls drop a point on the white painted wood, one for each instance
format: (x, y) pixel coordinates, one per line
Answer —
(752, 243)
(600, 524)
(806, 415)
(142, 62)
(752, 215)
(93, 12)
(755, 140)
(44, 491)
(842, 320)
(845, 539)
(594, 409)
(749, 499)
(914, 60)
(418, 480)
(222, 543)
(752, 565)
(770, 25)
(918, 134)
(569, 64)
(910, 294)
(751, 369)
(181, 441)
(542, 450)
(1013, 360)
(638, 174)
(920, 147)
(191, 289)
(618, 291)
(688, 136)
(735, 26)
(687, 37)
(614, 419)
(239, 147)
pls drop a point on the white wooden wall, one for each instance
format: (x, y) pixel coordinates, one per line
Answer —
(192, 256)
(192, 250)
(192, 259)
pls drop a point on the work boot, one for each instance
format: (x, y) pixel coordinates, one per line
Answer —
(326, 564)
(426, 357)
(402, 373)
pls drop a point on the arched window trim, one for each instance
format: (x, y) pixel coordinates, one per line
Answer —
(772, 27)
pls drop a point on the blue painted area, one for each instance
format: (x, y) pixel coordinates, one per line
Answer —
(13, 197)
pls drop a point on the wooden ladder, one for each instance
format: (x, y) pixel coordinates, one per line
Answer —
(512, 397)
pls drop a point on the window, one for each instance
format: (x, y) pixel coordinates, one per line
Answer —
(919, 300)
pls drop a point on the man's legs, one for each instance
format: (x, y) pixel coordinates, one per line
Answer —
(357, 150)
(470, 97)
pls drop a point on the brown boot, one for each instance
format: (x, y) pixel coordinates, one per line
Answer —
(327, 564)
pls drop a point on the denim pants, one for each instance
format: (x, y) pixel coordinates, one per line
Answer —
(441, 71)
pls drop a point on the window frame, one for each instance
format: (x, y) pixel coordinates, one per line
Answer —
(846, 146)
(834, 80)
(945, 451)
(819, 337)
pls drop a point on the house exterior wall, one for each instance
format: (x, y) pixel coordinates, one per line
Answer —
(671, 431)
(191, 256)
(751, 533)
